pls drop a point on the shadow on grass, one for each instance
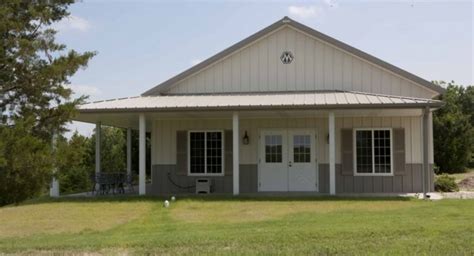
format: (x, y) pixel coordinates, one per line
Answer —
(205, 198)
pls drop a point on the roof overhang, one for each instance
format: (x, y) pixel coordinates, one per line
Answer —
(280, 104)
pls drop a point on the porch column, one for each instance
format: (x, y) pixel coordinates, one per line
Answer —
(142, 154)
(425, 150)
(129, 151)
(332, 155)
(98, 139)
(235, 151)
(54, 188)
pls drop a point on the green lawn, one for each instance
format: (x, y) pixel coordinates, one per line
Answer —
(239, 226)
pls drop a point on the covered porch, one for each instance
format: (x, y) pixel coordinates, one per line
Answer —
(244, 118)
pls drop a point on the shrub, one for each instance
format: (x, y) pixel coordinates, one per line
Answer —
(445, 183)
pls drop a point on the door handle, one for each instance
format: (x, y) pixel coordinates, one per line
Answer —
(290, 163)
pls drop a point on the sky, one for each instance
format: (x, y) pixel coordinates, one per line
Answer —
(140, 44)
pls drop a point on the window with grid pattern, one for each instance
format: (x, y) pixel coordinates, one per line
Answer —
(373, 151)
(302, 148)
(273, 149)
(205, 152)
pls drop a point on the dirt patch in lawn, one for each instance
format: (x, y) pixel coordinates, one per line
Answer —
(467, 184)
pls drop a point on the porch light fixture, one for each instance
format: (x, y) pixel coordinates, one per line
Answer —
(245, 139)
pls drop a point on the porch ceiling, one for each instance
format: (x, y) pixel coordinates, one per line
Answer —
(130, 119)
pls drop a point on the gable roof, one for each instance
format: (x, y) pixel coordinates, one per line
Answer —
(285, 21)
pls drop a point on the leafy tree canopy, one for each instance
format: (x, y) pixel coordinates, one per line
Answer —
(35, 101)
(34, 69)
(453, 129)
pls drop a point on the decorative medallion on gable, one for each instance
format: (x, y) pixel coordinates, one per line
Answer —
(286, 57)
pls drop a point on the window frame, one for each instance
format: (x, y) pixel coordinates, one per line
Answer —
(354, 150)
(205, 153)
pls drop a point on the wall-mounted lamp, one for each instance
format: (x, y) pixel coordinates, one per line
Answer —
(245, 139)
(327, 139)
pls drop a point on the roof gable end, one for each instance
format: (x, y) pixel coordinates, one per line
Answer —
(164, 87)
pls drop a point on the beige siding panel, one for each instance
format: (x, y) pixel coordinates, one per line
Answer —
(328, 68)
(290, 69)
(227, 74)
(347, 83)
(337, 73)
(300, 62)
(236, 75)
(273, 62)
(357, 75)
(316, 66)
(254, 65)
(376, 80)
(218, 78)
(416, 140)
(309, 68)
(263, 65)
(281, 69)
(366, 78)
(245, 70)
(209, 80)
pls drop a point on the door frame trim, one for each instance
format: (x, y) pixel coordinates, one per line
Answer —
(286, 130)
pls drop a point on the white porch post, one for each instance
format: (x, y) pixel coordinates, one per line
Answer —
(129, 151)
(332, 155)
(98, 135)
(426, 166)
(54, 188)
(142, 154)
(235, 151)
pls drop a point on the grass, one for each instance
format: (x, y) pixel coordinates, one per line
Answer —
(242, 226)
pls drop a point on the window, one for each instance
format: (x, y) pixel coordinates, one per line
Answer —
(206, 152)
(302, 148)
(373, 151)
(273, 148)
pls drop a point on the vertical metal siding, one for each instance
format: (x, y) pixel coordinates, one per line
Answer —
(317, 66)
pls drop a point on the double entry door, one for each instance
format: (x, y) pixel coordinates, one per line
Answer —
(287, 160)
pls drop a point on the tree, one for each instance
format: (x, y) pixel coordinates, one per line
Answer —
(453, 129)
(25, 163)
(113, 150)
(34, 69)
(73, 168)
(34, 99)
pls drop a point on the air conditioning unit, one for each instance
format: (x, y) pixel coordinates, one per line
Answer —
(203, 186)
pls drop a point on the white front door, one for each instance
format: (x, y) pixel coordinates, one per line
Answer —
(302, 171)
(273, 161)
(288, 161)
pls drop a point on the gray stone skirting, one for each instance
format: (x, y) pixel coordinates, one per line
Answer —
(165, 180)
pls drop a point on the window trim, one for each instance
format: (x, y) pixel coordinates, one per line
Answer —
(205, 154)
(354, 150)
